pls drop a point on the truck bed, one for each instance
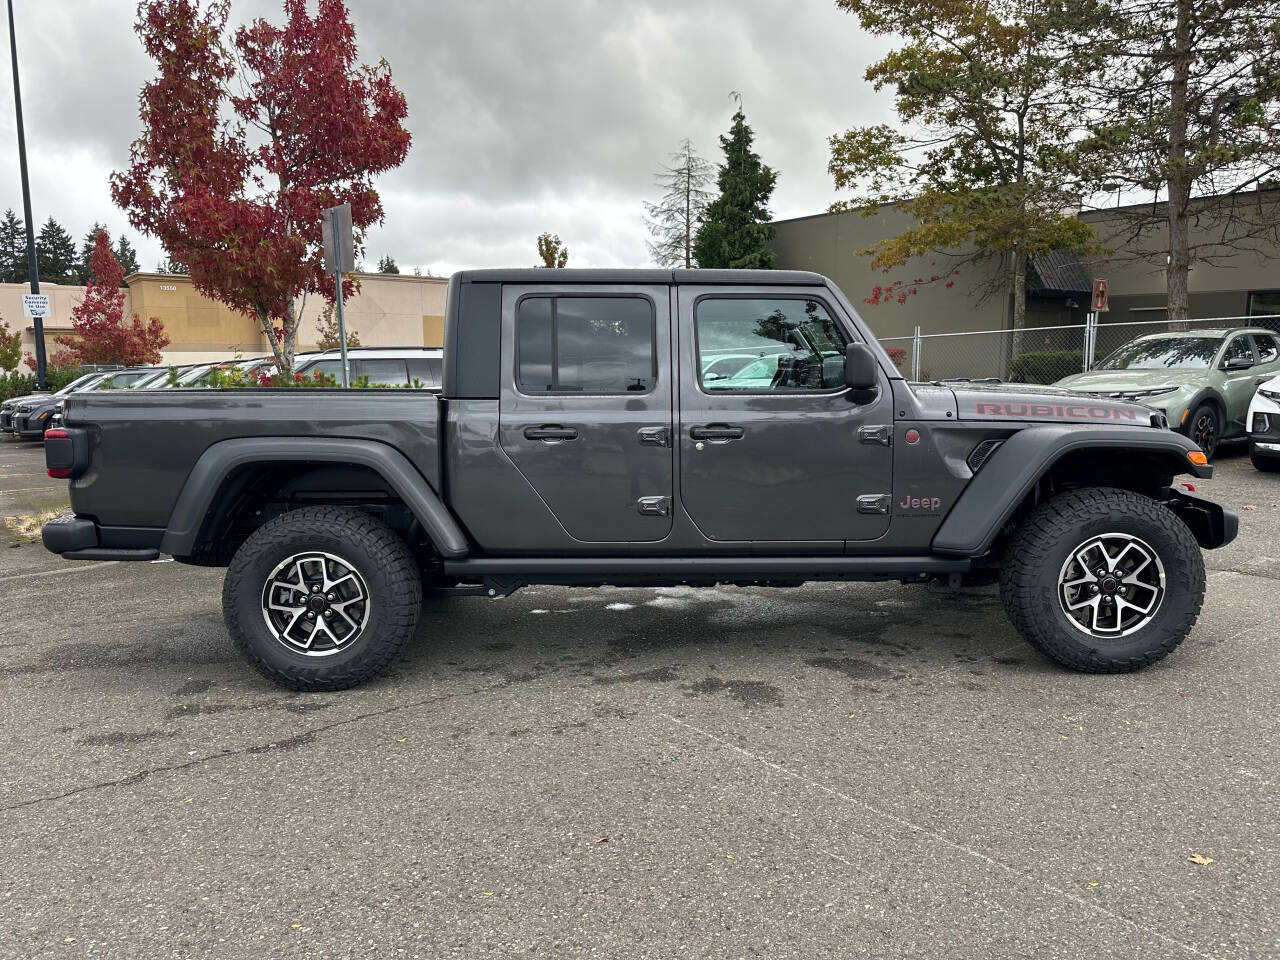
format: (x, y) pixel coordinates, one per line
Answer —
(144, 445)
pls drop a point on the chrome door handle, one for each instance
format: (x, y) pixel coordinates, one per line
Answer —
(550, 433)
(717, 431)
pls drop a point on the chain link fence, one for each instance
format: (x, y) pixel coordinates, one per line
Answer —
(1041, 355)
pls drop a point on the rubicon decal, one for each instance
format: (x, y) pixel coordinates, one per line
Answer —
(1061, 411)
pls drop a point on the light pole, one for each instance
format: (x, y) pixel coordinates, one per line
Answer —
(32, 272)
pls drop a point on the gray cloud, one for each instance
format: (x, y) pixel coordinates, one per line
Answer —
(526, 116)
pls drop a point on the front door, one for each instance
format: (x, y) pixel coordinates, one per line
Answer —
(586, 407)
(772, 446)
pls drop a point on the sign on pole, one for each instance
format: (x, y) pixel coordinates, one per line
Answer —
(35, 305)
(1100, 296)
(339, 247)
(339, 258)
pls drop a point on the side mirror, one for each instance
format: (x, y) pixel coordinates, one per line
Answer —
(1238, 363)
(860, 373)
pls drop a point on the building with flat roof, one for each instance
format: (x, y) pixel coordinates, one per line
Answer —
(1236, 237)
(387, 310)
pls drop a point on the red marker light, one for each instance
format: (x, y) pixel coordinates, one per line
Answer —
(912, 436)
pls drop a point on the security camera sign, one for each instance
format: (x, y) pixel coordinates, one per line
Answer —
(35, 305)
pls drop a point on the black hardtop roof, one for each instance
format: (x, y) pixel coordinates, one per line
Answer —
(799, 278)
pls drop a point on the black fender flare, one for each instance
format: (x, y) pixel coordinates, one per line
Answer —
(220, 459)
(1010, 473)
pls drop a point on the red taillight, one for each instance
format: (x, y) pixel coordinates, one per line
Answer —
(58, 473)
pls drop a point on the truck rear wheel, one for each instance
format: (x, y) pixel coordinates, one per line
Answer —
(1103, 580)
(322, 598)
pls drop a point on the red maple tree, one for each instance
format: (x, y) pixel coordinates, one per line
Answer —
(233, 184)
(103, 333)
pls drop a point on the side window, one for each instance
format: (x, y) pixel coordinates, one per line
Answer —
(1268, 349)
(585, 345)
(1238, 349)
(426, 371)
(328, 368)
(388, 372)
(781, 345)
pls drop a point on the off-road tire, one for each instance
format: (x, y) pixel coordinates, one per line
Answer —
(381, 558)
(1266, 462)
(1206, 410)
(1041, 545)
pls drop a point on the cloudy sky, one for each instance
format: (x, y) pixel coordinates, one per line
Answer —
(526, 115)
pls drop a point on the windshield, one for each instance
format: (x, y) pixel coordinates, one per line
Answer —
(1164, 353)
(76, 384)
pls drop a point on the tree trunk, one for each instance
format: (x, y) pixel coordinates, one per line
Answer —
(277, 349)
(1179, 176)
(1018, 281)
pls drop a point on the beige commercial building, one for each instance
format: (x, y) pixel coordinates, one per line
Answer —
(388, 310)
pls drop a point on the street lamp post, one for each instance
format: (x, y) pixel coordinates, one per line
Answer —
(32, 272)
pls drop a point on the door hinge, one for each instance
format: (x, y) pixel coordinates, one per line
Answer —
(881, 434)
(654, 436)
(654, 506)
(874, 503)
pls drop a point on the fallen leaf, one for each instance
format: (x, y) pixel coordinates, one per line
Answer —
(487, 893)
(602, 840)
(1250, 506)
(296, 926)
(1093, 883)
(402, 739)
(1200, 859)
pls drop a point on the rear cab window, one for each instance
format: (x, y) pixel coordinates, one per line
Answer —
(585, 344)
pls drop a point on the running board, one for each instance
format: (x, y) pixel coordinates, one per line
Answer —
(519, 571)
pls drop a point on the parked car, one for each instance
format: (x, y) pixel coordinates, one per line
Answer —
(383, 366)
(1201, 380)
(573, 443)
(28, 417)
(117, 380)
(1264, 426)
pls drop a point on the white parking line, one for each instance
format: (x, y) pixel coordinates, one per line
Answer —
(57, 573)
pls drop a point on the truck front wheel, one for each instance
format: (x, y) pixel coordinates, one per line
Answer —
(322, 598)
(1103, 580)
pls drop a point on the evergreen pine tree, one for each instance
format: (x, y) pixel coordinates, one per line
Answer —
(56, 254)
(388, 265)
(673, 221)
(127, 255)
(13, 249)
(83, 270)
(735, 230)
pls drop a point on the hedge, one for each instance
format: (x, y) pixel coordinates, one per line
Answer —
(1044, 366)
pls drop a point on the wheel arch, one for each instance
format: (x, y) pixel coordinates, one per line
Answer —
(226, 467)
(1040, 460)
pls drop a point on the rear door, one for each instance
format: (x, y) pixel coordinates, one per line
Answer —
(586, 405)
(774, 448)
(1238, 385)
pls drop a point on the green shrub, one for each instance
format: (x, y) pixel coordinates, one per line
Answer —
(1044, 366)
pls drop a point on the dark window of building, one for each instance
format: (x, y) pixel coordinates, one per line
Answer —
(586, 345)
(774, 345)
(426, 371)
(1268, 349)
(1264, 303)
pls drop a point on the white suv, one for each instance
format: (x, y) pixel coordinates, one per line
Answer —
(383, 366)
(1263, 422)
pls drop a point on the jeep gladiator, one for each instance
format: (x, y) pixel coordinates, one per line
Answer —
(643, 427)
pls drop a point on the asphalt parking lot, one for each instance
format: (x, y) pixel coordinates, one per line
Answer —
(836, 771)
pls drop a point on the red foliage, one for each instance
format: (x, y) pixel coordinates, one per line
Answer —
(58, 360)
(246, 219)
(103, 335)
(899, 290)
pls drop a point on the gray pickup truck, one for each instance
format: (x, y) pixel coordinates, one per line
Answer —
(643, 427)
